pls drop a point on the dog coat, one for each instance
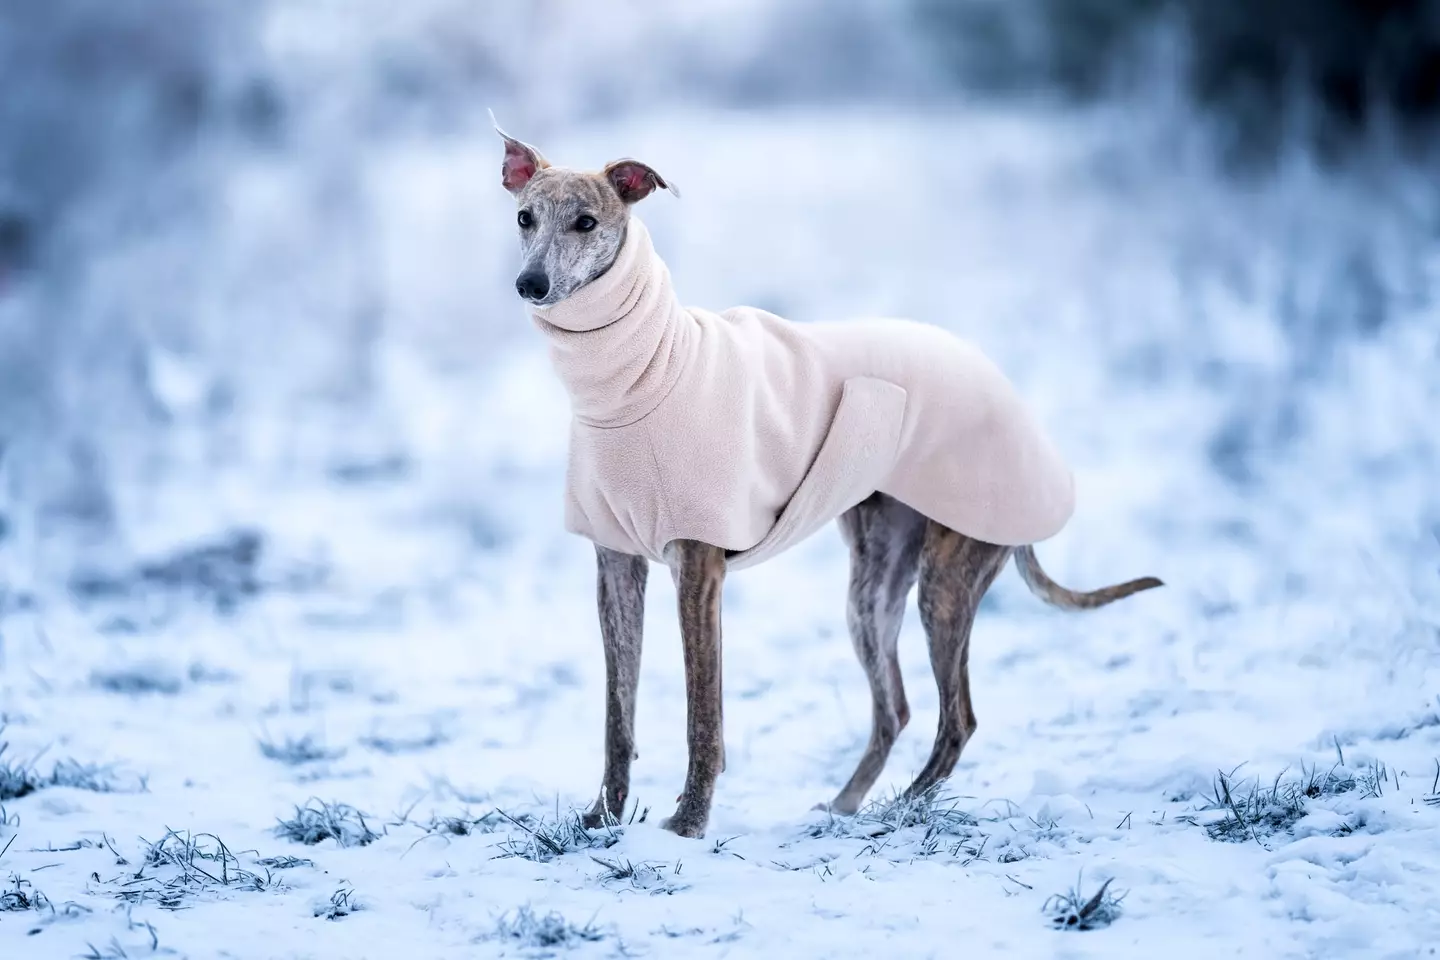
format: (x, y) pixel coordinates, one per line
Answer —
(748, 432)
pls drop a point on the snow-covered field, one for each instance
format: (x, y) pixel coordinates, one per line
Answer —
(415, 640)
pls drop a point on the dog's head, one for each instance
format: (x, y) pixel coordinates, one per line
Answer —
(571, 222)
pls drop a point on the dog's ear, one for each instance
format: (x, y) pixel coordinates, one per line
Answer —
(522, 161)
(634, 181)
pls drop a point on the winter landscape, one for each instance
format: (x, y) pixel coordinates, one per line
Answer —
(297, 660)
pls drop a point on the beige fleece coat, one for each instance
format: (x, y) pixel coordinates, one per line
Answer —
(748, 432)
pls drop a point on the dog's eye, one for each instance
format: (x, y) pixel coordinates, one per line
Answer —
(585, 224)
(525, 220)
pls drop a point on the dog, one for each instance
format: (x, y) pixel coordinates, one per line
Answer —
(710, 442)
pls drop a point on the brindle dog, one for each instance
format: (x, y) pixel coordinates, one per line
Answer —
(572, 225)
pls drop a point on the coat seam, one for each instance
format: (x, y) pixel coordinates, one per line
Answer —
(663, 500)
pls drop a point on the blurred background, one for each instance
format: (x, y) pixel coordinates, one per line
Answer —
(259, 248)
(282, 461)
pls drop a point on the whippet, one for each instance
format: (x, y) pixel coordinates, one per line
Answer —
(860, 423)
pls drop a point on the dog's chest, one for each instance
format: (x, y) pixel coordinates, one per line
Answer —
(739, 471)
(636, 487)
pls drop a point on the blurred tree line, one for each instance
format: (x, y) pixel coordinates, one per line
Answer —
(1327, 71)
(103, 110)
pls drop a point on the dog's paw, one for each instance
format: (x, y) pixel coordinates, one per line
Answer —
(685, 826)
(838, 808)
(607, 810)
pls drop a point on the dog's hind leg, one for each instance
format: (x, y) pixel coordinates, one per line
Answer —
(884, 537)
(620, 589)
(955, 572)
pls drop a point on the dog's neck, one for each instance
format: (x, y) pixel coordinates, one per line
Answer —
(620, 342)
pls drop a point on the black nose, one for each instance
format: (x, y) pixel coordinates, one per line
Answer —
(533, 285)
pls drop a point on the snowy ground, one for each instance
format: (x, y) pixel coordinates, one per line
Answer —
(423, 619)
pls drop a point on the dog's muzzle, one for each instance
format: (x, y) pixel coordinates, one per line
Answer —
(533, 285)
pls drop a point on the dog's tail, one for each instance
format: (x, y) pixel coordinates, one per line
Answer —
(1057, 596)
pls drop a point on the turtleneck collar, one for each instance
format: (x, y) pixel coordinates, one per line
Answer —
(620, 342)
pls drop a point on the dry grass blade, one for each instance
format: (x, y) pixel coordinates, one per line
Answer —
(545, 839)
(650, 877)
(551, 837)
(180, 866)
(938, 813)
(1071, 911)
(22, 778)
(342, 903)
(318, 821)
(307, 749)
(21, 895)
(531, 931)
(1252, 811)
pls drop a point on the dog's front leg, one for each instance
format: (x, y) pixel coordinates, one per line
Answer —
(699, 571)
(620, 589)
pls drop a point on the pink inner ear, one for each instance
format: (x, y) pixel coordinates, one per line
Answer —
(632, 179)
(632, 182)
(518, 168)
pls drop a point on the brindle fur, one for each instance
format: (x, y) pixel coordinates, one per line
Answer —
(891, 547)
(620, 596)
(884, 537)
(1057, 596)
(699, 572)
(955, 572)
(556, 198)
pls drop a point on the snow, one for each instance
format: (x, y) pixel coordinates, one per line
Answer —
(1279, 474)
